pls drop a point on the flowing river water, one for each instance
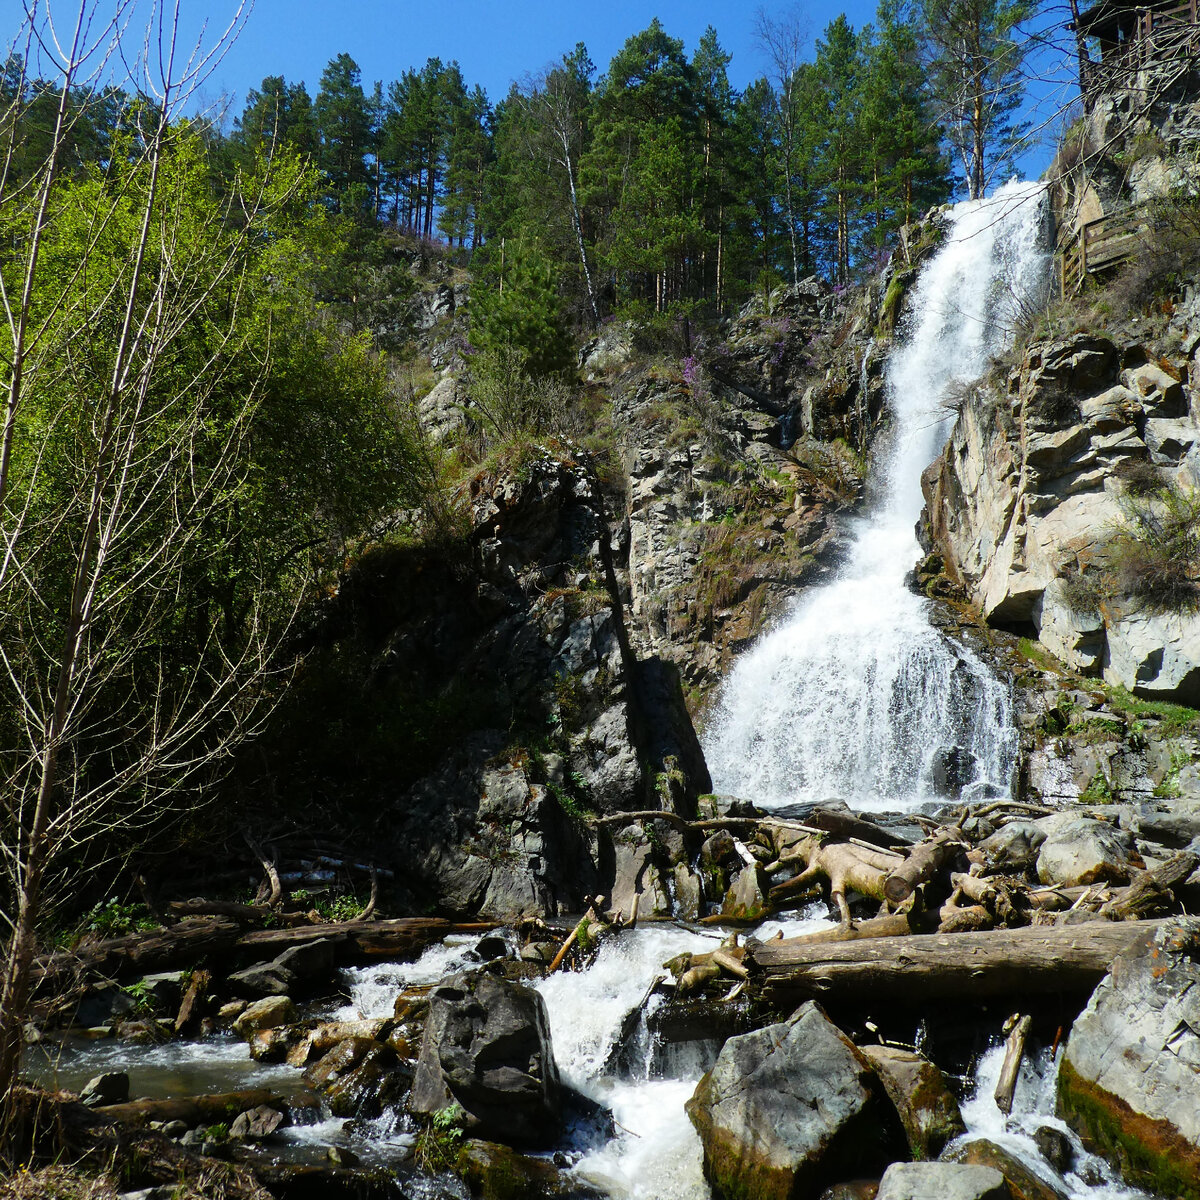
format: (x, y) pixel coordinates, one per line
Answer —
(854, 694)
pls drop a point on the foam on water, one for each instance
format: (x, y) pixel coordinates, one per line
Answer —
(855, 694)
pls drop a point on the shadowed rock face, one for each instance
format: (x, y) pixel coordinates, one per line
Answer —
(789, 1109)
(1128, 1082)
(487, 1047)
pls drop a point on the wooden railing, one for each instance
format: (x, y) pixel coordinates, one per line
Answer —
(1158, 36)
(1101, 245)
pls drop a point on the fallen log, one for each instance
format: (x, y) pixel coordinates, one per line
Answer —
(1152, 892)
(192, 1109)
(1035, 959)
(1017, 1028)
(893, 925)
(157, 950)
(398, 937)
(925, 861)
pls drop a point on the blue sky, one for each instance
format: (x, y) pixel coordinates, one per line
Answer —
(494, 42)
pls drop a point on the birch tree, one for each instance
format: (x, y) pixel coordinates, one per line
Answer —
(158, 441)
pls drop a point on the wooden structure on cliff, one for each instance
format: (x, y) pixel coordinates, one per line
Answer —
(1130, 36)
(1100, 245)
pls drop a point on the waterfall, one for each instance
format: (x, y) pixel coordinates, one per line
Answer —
(855, 695)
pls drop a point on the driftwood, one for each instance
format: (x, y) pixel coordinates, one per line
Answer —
(192, 1109)
(846, 867)
(954, 966)
(847, 825)
(926, 860)
(1017, 1028)
(893, 925)
(1152, 892)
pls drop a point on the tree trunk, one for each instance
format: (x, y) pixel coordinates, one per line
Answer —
(1012, 962)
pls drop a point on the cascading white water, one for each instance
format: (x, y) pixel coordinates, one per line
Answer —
(855, 695)
(1088, 1177)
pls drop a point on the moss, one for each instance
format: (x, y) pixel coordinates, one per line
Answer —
(1040, 657)
(1149, 1153)
(1172, 718)
(1098, 791)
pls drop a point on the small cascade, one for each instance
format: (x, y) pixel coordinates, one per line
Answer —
(855, 694)
(1088, 1177)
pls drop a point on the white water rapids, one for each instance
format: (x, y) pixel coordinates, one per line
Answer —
(854, 695)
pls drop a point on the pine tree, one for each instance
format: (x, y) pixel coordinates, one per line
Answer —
(343, 131)
(975, 59)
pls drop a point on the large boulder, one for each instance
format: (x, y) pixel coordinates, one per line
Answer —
(487, 1048)
(941, 1181)
(1083, 851)
(790, 1109)
(1130, 1078)
(917, 1089)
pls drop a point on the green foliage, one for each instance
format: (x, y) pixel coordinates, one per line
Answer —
(1171, 718)
(522, 313)
(438, 1144)
(513, 403)
(1098, 791)
(114, 919)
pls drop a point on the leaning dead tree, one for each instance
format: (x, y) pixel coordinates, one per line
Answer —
(123, 454)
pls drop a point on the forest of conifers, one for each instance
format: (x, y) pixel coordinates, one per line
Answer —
(653, 183)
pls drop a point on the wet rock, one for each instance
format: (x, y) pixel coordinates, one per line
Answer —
(312, 1044)
(688, 897)
(790, 1109)
(854, 1189)
(359, 1078)
(1055, 1147)
(719, 850)
(1127, 1083)
(276, 1044)
(941, 1181)
(1023, 1182)
(487, 1047)
(953, 768)
(228, 1013)
(110, 1088)
(310, 962)
(1083, 851)
(255, 1123)
(266, 1013)
(501, 1173)
(746, 899)
(927, 1110)
(262, 979)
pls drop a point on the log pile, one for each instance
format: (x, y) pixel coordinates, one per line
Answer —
(958, 912)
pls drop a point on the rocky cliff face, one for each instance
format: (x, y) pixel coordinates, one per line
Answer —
(529, 708)
(1027, 505)
(736, 464)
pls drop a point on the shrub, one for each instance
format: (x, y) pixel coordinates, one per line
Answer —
(1155, 558)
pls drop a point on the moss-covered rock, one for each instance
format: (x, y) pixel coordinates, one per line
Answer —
(1128, 1081)
(927, 1110)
